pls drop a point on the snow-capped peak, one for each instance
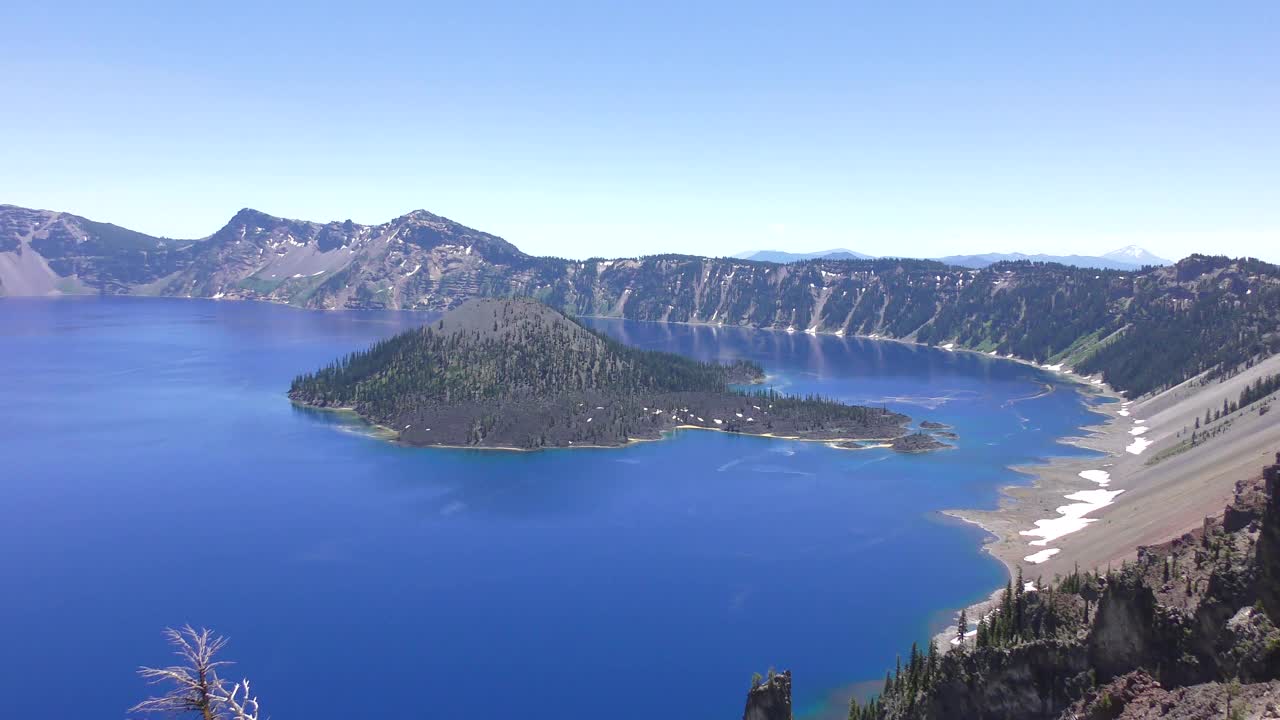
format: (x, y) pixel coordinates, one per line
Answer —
(1136, 255)
(1128, 251)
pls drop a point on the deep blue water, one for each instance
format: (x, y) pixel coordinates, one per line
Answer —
(155, 474)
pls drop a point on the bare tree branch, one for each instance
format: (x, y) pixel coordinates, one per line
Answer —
(196, 687)
(245, 708)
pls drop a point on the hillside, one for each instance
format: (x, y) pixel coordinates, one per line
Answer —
(1188, 630)
(1182, 627)
(515, 373)
(1207, 314)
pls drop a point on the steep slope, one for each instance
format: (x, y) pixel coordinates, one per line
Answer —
(1208, 314)
(407, 262)
(1183, 632)
(44, 252)
(515, 373)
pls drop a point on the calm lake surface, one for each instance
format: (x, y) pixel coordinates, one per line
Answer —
(155, 474)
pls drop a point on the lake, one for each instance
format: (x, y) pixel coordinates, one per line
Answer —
(155, 474)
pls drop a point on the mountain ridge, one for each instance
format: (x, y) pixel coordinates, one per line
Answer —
(783, 257)
(1210, 313)
(1130, 257)
(1109, 261)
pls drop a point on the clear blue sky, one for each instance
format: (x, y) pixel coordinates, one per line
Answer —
(593, 128)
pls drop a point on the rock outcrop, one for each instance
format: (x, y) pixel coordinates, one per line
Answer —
(1138, 696)
(1186, 631)
(1269, 545)
(1032, 681)
(770, 700)
(918, 443)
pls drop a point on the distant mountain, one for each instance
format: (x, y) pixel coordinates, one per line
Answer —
(1129, 258)
(782, 258)
(1136, 256)
(1206, 314)
(1126, 258)
(254, 256)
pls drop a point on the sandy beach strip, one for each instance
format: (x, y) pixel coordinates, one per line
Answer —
(1145, 489)
(1163, 486)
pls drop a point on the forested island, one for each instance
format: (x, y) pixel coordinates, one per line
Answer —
(518, 374)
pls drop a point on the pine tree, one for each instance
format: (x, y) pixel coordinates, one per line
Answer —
(1019, 603)
(913, 669)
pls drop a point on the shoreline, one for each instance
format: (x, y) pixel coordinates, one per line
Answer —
(1020, 504)
(1021, 507)
(1018, 508)
(1012, 497)
(1048, 478)
(387, 434)
(947, 347)
(1144, 488)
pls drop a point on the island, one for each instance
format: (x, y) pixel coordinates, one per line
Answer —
(917, 443)
(519, 375)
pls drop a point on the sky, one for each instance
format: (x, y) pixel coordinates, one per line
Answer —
(603, 129)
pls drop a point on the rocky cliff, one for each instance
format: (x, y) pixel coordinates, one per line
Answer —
(770, 700)
(1206, 313)
(1188, 630)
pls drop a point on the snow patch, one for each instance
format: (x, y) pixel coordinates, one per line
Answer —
(1071, 518)
(1137, 446)
(1101, 477)
(1039, 557)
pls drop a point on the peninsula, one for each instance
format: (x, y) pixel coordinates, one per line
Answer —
(520, 375)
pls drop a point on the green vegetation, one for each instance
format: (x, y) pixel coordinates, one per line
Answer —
(519, 374)
(1196, 613)
(1019, 617)
(1261, 388)
(534, 354)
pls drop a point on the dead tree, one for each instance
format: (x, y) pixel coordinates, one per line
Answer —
(196, 686)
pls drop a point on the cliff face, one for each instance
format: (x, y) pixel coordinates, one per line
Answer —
(1032, 681)
(1269, 545)
(1190, 625)
(1132, 629)
(1204, 312)
(770, 700)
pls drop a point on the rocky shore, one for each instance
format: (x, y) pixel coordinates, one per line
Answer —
(1188, 629)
